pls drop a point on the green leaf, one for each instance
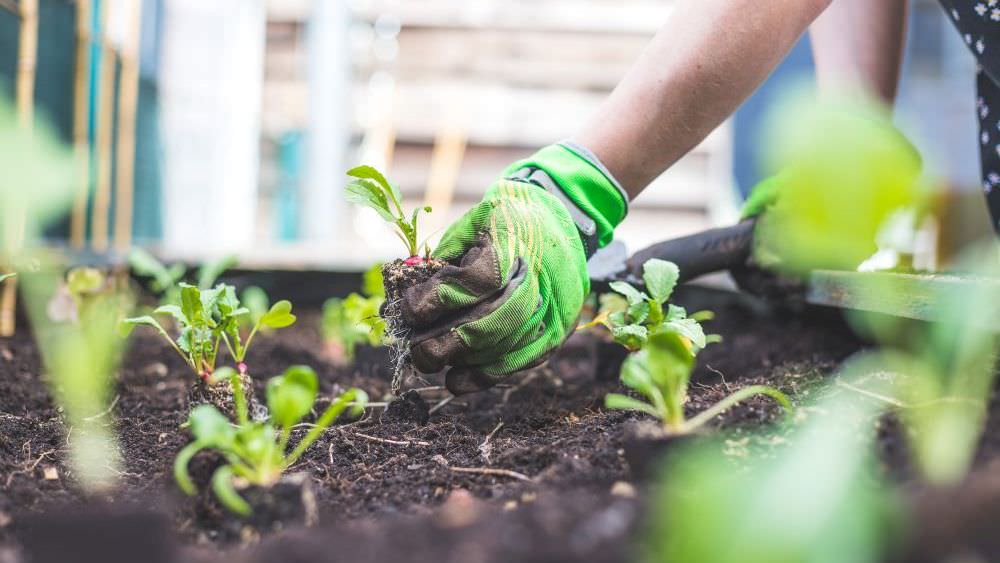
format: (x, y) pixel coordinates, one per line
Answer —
(191, 305)
(670, 364)
(632, 294)
(366, 193)
(624, 402)
(635, 374)
(227, 302)
(674, 312)
(222, 486)
(174, 311)
(371, 173)
(630, 336)
(210, 426)
(638, 312)
(126, 326)
(279, 316)
(290, 396)
(660, 277)
(690, 329)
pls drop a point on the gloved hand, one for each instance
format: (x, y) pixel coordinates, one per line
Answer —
(517, 274)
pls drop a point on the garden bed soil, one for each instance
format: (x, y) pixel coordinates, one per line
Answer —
(530, 471)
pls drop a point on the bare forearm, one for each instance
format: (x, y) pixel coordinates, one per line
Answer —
(858, 46)
(709, 56)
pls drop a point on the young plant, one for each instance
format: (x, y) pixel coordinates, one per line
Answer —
(665, 342)
(371, 189)
(632, 323)
(208, 319)
(355, 319)
(257, 452)
(661, 372)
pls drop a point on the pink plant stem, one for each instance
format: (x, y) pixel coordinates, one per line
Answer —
(242, 368)
(414, 261)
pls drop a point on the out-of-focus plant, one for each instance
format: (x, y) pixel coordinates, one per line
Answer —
(81, 359)
(257, 451)
(943, 372)
(164, 280)
(371, 189)
(841, 169)
(355, 319)
(84, 288)
(819, 499)
(256, 300)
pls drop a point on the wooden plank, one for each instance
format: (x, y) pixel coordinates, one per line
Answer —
(688, 184)
(910, 296)
(598, 16)
(518, 58)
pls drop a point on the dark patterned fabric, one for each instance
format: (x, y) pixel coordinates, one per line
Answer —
(979, 23)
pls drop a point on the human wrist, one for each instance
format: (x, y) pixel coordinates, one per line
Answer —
(585, 182)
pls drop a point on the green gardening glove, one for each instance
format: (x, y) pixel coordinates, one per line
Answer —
(517, 273)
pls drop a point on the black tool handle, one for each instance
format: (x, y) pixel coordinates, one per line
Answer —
(709, 251)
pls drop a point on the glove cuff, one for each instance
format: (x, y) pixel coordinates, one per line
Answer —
(586, 183)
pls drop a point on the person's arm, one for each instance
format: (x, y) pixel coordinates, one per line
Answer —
(858, 46)
(708, 58)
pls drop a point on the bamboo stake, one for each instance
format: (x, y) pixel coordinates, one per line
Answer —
(27, 53)
(81, 128)
(105, 123)
(128, 101)
(446, 162)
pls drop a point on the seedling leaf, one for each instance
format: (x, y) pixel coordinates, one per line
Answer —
(633, 295)
(291, 395)
(279, 316)
(661, 278)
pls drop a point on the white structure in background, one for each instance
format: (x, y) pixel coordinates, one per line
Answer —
(211, 80)
(329, 78)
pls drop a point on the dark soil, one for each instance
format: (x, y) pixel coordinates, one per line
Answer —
(388, 491)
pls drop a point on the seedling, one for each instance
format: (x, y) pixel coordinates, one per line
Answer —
(631, 323)
(207, 319)
(256, 451)
(355, 319)
(371, 189)
(665, 342)
(661, 372)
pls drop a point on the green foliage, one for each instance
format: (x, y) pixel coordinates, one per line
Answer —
(164, 280)
(818, 499)
(207, 319)
(665, 342)
(842, 169)
(355, 319)
(371, 189)
(631, 323)
(257, 452)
